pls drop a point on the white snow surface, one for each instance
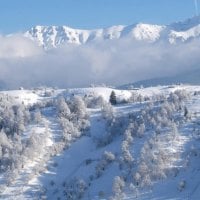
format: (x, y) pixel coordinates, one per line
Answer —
(22, 96)
(53, 36)
(101, 91)
(71, 162)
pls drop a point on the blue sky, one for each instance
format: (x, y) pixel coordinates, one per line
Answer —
(20, 15)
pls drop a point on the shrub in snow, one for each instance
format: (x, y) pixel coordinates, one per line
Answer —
(83, 125)
(75, 189)
(132, 126)
(141, 130)
(153, 123)
(178, 97)
(52, 183)
(10, 176)
(101, 194)
(91, 177)
(58, 147)
(49, 93)
(134, 190)
(146, 181)
(132, 98)
(140, 98)
(174, 131)
(143, 168)
(100, 167)
(173, 97)
(109, 156)
(95, 102)
(182, 95)
(137, 178)
(181, 185)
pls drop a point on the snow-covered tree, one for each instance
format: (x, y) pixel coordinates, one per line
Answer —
(63, 108)
(79, 107)
(128, 136)
(141, 130)
(137, 178)
(126, 154)
(95, 102)
(108, 112)
(37, 117)
(69, 130)
(106, 159)
(118, 186)
(75, 189)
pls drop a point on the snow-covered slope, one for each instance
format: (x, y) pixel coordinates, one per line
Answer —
(53, 36)
(101, 91)
(191, 77)
(168, 145)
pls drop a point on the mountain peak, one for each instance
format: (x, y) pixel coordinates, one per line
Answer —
(53, 36)
(186, 24)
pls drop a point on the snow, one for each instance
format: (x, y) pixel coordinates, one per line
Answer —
(147, 32)
(101, 91)
(71, 162)
(53, 36)
(22, 96)
(16, 191)
(184, 35)
(30, 97)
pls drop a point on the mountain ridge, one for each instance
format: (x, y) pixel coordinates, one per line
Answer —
(53, 36)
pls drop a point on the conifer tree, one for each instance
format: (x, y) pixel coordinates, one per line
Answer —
(113, 99)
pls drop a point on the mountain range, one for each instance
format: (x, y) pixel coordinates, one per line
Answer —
(53, 36)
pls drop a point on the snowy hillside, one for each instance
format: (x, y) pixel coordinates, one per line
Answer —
(191, 77)
(73, 144)
(53, 36)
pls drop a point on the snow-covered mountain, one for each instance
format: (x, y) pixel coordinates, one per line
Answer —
(191, 77)
(53, 36)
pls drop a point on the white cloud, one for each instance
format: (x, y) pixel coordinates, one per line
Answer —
(115, 62)
(15, 46)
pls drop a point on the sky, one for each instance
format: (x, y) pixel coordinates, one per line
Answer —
(21, 15)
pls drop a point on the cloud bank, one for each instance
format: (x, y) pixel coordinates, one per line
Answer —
(23, 63)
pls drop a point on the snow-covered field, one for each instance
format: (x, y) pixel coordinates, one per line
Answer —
(147, 146)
